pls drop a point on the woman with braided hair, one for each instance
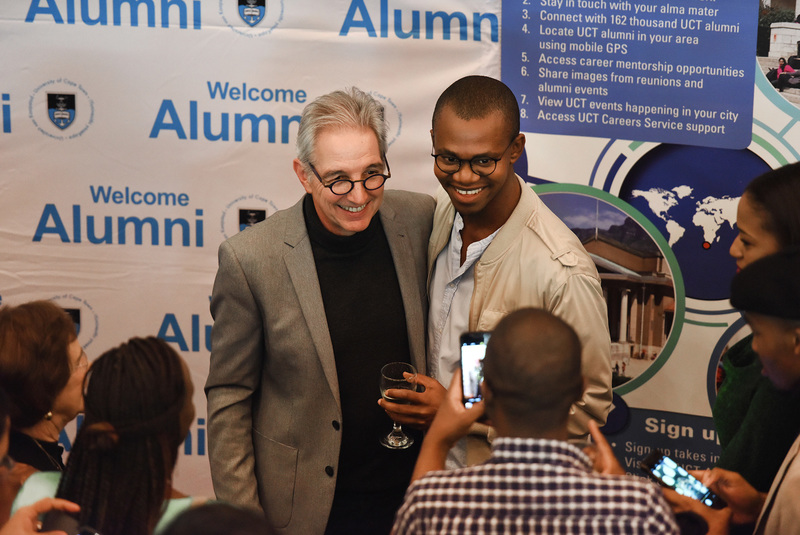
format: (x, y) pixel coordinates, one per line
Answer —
(138, 409)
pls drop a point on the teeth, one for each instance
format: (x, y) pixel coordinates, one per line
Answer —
(354, 209)
(469, 191)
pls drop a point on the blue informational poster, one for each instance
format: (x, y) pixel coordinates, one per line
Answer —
(672, 72)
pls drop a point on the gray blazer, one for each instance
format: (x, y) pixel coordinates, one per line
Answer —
(274, 414)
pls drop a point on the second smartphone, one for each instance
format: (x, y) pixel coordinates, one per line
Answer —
(671, 475)
(473, 349)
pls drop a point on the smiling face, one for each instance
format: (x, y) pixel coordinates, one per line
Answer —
(753, 241)
(344, 153)
(486, 198)
(777, 343)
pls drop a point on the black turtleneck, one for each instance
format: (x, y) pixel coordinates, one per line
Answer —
(366, 320)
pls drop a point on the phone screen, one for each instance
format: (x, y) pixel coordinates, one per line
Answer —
(673, 476)
(473, 349)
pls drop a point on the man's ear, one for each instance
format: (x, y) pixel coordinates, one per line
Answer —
(517, 147)
(300, 171)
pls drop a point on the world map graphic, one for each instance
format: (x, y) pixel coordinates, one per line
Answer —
(710, 214)
(691, 195)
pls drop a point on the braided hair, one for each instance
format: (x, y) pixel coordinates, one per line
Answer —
(120, 466)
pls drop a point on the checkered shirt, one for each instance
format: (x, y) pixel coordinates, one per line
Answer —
(533, 486)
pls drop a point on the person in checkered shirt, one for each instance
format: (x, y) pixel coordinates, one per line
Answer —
(535, 481)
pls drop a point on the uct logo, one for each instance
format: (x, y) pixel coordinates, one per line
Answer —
(252, 11)
(61, 109)
(243, 212)
(251, 18)
(392, 116)
(82, 314)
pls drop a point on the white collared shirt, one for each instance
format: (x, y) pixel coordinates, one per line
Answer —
(452, 285)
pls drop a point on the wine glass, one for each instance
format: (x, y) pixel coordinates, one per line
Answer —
(392, 377)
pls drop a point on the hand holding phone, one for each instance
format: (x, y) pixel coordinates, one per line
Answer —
(473, 349)
(669, 474)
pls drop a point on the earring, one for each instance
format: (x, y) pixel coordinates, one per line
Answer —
(49, 415)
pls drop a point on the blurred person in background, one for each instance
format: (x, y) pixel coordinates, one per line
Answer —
(138, 400)
(26, 520)
(756, 423)
(42, 366)
(219, 518)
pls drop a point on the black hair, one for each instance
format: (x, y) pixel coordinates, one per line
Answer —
(533, 368)
(475, 97)
(776, 195)
(120, 466)
(219, 519)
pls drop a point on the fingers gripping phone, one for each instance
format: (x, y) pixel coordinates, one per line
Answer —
(669, 474)
(473, 349)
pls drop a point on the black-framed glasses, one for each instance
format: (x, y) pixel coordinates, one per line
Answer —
(83, 362)
(343, 186)
(481, 165)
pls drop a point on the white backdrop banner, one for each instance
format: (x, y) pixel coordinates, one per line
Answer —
(137, 135)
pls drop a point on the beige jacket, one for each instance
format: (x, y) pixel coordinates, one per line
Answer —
(536, 261)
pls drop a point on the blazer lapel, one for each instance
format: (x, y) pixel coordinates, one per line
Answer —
(299, 260)
(403, 256)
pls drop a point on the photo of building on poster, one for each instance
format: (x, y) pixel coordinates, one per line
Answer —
(636, 279)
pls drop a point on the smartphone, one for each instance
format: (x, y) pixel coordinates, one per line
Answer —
(60, 521)
(669, 474)
(473, 349)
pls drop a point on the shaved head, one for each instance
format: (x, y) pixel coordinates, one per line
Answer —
(533, 369)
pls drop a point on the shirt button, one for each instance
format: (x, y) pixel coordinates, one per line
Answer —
(335, 425)
(329, 470)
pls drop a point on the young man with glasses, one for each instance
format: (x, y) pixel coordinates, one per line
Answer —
(496, 247)
(308, 306)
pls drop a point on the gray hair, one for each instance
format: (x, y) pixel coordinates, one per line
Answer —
(350, 107)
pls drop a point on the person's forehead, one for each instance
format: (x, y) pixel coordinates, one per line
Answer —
(765, 323)
(748, 217)
(334, 133)
(345, 145)
(492, 125)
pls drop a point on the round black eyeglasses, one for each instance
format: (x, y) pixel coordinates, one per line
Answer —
(481, 165)
(343, 186)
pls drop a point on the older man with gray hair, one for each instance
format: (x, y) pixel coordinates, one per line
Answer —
(308, 306)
